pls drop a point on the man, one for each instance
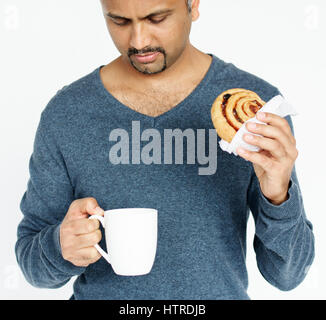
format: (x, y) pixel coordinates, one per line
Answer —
(159, 83)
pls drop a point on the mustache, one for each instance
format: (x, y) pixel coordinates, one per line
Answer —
(132, 51)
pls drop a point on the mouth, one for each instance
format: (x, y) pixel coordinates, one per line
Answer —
(147, 57)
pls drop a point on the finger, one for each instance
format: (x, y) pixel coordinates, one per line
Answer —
(86, 256)
(259, 158)
(81, 208)
(84, 226)
(275, 148)
(88, 240)
(269, 131)
(276, 121)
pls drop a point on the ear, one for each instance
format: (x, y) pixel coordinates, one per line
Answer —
(195, 10)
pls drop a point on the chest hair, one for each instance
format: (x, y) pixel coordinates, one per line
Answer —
(150, 102)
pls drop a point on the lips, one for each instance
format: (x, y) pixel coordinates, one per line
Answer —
(148, 57)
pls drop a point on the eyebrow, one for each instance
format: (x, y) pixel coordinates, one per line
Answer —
(156, 13)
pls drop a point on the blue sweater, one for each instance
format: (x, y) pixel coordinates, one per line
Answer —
(202, 216)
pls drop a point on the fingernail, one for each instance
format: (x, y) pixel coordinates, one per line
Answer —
(261, 115)
(249, 137)
(99, 211)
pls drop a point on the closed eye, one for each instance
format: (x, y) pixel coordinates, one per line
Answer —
(124, 22)
(155, 21)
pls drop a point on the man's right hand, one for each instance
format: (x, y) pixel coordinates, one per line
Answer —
(78, 234)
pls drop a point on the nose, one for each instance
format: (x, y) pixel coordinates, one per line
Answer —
(140, 37)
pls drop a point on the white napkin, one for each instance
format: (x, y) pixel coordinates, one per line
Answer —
(277, 105)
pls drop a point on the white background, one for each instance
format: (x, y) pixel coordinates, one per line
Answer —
(47, 44)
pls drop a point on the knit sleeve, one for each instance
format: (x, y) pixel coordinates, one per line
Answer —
(284, 240)
(44, 204)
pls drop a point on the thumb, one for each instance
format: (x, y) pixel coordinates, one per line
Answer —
(82, 208)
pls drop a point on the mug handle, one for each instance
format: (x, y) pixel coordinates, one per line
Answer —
(98, 248)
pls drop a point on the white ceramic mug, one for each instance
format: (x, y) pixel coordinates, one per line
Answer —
(131, 239)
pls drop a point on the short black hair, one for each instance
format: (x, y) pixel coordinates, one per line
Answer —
(189, 4)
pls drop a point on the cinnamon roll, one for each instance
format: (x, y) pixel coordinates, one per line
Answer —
(231, 109)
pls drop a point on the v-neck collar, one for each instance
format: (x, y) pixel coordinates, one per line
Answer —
(138, 115)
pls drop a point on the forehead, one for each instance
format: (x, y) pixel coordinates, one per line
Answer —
(135, 7)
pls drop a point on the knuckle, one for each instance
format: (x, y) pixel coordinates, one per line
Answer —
(74, 204)
(93, 254)
(89, 226)
(98, 234)
(66, 254)
(278, 134)
(275, 145)
(96, 237)
(74, 208)
(91, 201)
(296, 154)
(279, 147)
(93, 225)
(72, 226)
(259, 127)
(260, 141)
(256, 139)
(91, 204)
(284, 122)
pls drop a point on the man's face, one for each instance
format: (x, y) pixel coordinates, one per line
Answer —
(140, 27)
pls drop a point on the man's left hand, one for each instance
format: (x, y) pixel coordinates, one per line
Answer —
(273, 164)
